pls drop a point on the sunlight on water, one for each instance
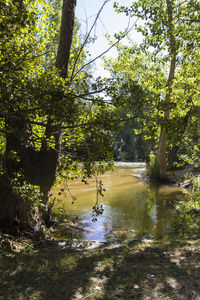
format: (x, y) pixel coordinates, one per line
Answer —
(132, 208)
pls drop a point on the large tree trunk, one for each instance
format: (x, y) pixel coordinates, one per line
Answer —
(38, 167)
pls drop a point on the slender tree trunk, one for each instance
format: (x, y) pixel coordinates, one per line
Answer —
(162, 156)
(66, 34)
(162, 151)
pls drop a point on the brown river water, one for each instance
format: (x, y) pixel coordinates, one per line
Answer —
(133, 208)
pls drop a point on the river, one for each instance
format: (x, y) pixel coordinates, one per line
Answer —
(132, 207)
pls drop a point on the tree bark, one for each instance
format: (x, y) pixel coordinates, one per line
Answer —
(66, 34)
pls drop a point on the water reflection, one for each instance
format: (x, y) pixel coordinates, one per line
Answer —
(132, 207)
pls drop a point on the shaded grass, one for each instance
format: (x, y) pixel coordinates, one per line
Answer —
(146, 271)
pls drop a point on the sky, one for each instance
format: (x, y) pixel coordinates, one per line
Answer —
(109, 23)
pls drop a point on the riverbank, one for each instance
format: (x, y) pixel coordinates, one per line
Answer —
(150, 270)
(63, 270)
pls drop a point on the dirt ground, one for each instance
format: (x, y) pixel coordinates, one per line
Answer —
(183, 171)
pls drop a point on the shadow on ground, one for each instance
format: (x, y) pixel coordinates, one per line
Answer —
(150, 271)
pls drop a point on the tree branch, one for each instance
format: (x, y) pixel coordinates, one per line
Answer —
(87, 37)
(126, 32)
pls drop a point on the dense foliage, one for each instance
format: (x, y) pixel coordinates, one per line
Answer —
(165, 65)
(50, 123)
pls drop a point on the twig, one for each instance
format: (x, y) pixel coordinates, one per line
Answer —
(126, 32)
(86, 39)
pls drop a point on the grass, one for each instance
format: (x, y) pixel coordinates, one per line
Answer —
(154, 270)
